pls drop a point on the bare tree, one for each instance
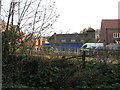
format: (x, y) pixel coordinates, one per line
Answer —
(32, 17)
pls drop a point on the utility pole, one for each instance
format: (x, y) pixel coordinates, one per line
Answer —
(0, 7)
(0, 50)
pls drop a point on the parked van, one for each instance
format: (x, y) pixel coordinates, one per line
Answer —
(92, 45)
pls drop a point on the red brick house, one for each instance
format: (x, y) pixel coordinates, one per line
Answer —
(110, 31)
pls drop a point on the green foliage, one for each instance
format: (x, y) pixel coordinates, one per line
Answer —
(86, 41)
(10, 41)
(113, 86)
(13, 85)
(98, 75)
(86, 29)
(63, 74)
(50, 75)
(90, 28)
(20, 86)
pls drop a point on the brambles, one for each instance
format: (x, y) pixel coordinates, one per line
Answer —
(62, 74)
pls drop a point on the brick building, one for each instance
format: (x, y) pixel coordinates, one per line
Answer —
(3, 25)
(72, 38)
(110, 31)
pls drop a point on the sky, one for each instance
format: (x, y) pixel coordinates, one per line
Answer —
(75, 15)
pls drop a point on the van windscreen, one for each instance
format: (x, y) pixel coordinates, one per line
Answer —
(84, 46)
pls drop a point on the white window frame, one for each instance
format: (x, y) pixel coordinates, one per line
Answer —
(63, 40)
(116, 35)
(73, 41)
(118, 42)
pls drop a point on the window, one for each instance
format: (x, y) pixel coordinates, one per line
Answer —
(63, 40)
(73, 40)
(117, 41)
(116, 35)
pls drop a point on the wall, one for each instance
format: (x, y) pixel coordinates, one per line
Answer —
(57, 38)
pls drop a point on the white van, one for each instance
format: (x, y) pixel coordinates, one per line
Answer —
(92, 45)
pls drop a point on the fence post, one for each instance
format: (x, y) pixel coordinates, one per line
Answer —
(83, 59)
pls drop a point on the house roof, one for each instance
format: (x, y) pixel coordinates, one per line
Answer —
(2, 21)
(70, 36)
(91, 30)
(111, 23)
(2, 24)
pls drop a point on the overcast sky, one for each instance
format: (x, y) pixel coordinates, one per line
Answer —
(75, 15)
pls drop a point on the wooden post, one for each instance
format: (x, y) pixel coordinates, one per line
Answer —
(83, 59)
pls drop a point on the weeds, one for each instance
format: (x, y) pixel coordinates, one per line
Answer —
(61, 74)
